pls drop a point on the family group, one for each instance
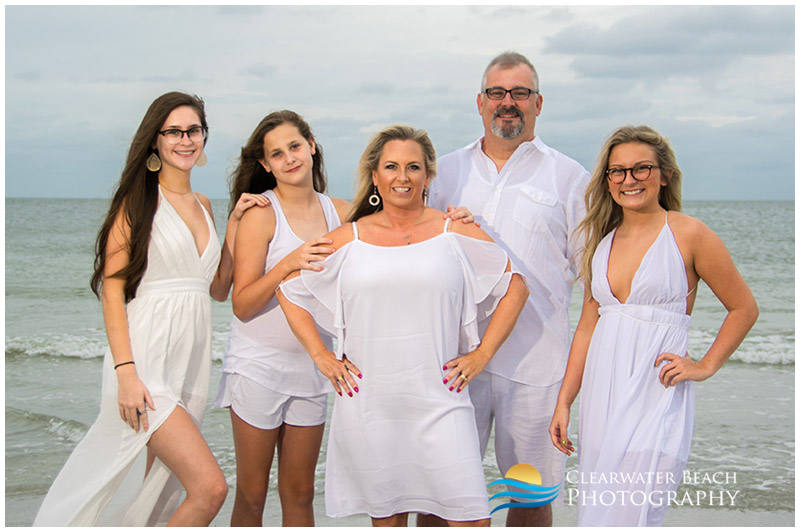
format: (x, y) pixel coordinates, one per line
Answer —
(434, 305)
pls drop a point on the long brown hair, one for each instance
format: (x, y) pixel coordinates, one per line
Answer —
(249, 176)
(372, 156)
(603, 214)
(136, 194)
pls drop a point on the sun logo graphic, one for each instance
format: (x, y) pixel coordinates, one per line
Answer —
(528, 492)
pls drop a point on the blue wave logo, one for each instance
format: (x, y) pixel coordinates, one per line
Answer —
(529, 492)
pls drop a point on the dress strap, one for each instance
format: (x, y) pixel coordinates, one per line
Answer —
(446, 224)
(692, 290)
(355, 231)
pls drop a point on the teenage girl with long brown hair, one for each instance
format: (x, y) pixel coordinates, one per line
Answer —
(157, 259)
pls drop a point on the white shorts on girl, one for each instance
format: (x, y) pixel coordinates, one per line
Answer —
(266, 409)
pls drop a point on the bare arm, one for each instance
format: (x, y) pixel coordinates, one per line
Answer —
(221, 284)
(714, 265)
(253, 289)
(466, 367)
(500, 325)
(132, 393)
(304, 328)
(571, 384)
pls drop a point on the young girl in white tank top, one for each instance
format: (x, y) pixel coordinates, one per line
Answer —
(272, 388)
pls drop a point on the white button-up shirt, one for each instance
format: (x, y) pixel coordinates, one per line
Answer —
(531, 208)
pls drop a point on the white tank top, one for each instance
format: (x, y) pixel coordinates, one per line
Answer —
(264, 348)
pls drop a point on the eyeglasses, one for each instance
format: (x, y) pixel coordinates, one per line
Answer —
(640, 172)
(174, 136)
(517, 93)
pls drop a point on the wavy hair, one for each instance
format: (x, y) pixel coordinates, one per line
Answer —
(602, 213)
(136, 194)
(372, 156)
(250, 176)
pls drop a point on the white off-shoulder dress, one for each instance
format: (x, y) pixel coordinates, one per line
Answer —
(404, 442)
(103, 482)
(634, 435)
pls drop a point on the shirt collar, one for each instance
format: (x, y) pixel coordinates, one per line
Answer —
(527, 146)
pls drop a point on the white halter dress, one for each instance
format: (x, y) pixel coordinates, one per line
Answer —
(634, 435)
(103, 482)
(404, 442)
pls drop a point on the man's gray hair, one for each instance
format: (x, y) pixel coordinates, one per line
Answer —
(508, 60)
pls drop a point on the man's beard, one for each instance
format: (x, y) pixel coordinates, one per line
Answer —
(504, 129)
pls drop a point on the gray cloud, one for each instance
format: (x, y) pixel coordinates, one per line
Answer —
(718, 80)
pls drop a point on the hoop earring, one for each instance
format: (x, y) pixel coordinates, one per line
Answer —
(425, 196)
(374, 199)
(202, 160)
(153, 162)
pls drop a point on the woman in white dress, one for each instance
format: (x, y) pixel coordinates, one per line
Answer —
(404, 294)
(275, 394)
(629, 356)
(157, 259)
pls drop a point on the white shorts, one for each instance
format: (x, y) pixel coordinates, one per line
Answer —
(266, 409)
(521, 415)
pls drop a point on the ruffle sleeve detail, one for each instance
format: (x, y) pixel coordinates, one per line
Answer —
(485, 283)
(320, 294)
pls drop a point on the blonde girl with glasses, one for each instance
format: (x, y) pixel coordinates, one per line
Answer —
(629, 355)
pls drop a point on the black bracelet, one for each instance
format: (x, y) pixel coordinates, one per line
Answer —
(123, 363)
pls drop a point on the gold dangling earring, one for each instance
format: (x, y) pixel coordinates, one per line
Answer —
(153, 162)
(202, 160)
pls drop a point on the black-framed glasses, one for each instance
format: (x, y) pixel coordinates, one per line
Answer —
(640, 172)
(174, 136)
(517, 93)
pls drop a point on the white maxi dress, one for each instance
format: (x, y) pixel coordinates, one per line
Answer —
(404, 442)
(634, 435)
(103, 482)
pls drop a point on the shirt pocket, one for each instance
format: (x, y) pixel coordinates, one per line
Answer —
(534, 208)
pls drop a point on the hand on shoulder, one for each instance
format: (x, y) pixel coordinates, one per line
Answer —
(469, 229)
(341, 235)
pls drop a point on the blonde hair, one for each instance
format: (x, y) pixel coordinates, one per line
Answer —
(372, 156)
(603, 214)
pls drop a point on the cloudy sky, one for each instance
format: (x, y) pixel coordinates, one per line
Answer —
(717, 80)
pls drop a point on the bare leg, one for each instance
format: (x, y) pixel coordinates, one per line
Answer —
(254, 451)
(430, 520)
(392, 520)
(541, 516)
(151, 458)
(298, 452)
(179, 444)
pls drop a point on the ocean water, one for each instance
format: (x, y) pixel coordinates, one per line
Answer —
(55, 340)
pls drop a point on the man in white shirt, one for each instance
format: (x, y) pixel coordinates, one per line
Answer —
(529, 198)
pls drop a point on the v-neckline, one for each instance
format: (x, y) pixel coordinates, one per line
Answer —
(200, 254)
(638, 268)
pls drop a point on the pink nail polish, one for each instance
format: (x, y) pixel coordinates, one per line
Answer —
(356, 389)
(444, 367)
(451, 388)
(340, 393)
(350, 394)
(359, 375)
(445, 381)
(459, 390)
